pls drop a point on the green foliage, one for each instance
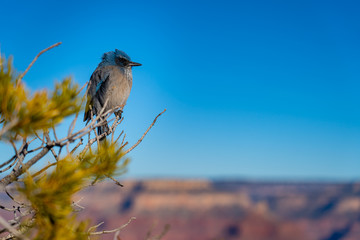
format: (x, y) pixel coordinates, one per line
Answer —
(23, 114)
(105, 161)
(50, 194)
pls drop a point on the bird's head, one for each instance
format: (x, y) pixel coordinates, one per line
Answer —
(119, 58)
(123, 60)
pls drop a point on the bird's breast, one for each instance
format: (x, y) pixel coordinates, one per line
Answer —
(119, 87)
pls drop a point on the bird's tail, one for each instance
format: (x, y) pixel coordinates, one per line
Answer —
(102, 129)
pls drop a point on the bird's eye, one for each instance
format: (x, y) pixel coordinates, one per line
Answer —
(123, 61)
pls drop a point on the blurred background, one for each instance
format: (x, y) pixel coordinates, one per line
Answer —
(256, 92)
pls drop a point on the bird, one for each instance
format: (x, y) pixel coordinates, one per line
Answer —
(111, 81)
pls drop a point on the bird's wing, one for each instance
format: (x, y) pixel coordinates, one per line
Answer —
(96, 86)
(99, 76)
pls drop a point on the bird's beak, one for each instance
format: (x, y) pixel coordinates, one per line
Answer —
(134, 64)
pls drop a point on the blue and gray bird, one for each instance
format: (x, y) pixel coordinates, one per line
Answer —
(111, 81)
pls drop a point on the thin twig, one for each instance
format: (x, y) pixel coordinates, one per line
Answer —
(20, 154)
(15, 174)
(112, 127)
(31, 141)
(54, 154)
(14, 147)
(72, 125)
(87, 145)
(76, 204)
(82, 88)
(42, 140)
(87, 128)
(11, 229)
(8, 126)
(7, 209)
(59, 152)
(17, 154)
(35, 149)
(126, 143)
(48, 139)
(139, 141)
(44, 169)
(8, 161)
(93, 140)
(9, 195)
(112, 231)
(10, 166)
(102, 120)
(34, 60)
(122, 142)
(116, 181)
(119, 136)
(77, 146)
(95, 227)
(67, 148)
(53, 128)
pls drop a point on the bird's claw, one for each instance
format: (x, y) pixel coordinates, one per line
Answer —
(118, 113)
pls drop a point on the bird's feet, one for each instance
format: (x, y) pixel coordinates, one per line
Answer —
(118, 113)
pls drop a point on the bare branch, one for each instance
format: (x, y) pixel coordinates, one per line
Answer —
(7, 209)
(9, 195)
(12, 229)
(67, 148)
(122, 142)
(77, 146)
(112, 127)
(59, 152)
(44, 169)
(97, 137)
(87, 128)
(15, 174)
(41, 139)
(34, 60)
(31, 141)
(83, 88)
(76, 204)
(139, 141)
(116, 181)
(20, 158)
(95, 227)
(47, 136)
(8, 162)
(10, 166)
(111, 231)
(93, 140)
(54, 154)
(8, 126)
(119, 136)
(72, 125)
(122, 146)
(53, 128)
(35, 149)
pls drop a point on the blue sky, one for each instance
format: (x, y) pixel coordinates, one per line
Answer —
(254, 89)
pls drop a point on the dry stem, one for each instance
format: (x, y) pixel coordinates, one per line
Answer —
(110, 231)
(34, 60)
(139, 141)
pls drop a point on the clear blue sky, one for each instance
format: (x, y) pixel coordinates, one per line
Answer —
(254, 89)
